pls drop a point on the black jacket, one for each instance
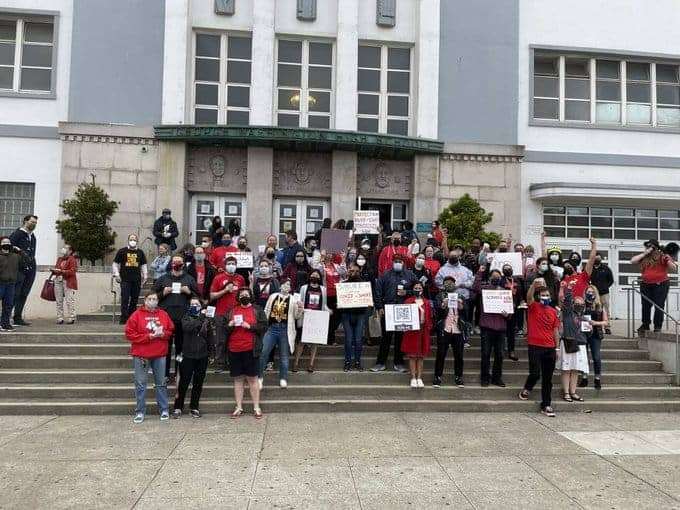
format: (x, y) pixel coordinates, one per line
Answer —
(602, 278)
(210, 273)
(27, 244)
(441, 313)
(159, 229)
(10, 263)
(199, 336)
(385, 292)
(175, 304)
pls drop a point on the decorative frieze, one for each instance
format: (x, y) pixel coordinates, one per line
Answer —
(302, 174)
(216, 169)
(389, 179)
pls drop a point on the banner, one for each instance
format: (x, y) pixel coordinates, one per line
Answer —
(498, 260)
(497, 301)
(334, 240)
(402, 317)
(315, 327)
(354, 294)
(244, 259)
(366, 222)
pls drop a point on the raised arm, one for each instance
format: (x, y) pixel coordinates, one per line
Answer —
(591, 257)
(638, 258)
(532, 289)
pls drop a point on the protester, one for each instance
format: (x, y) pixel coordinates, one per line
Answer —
(216, 231)
(461, 275)
(424, 275)
(203, 272)
(313, 296)
(387, 254)
(221, 252)
(24, 239)
(65, 285)
(130, 271)
(333, 272)
(408, 235)
(269, 255)
(437, 233)
(580, 280)
(223, 292)
(207, 245)
(603, 278)
(515, 284)
(297, 272)
(353, 324)
(234, 230)
(165, 230)
(543, 339)
(597, 319)
(196, 348)
(451, 330)
(187, 253)
(556, 263)
(416, 344)
(10, 264)
(552, 282)
(264, 283)
(290, 252)
(160, 264)
(571, 363)
(148, 330)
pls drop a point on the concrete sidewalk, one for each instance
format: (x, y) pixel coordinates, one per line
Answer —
(361, 461)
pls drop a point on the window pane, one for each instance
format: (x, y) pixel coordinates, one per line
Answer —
(399, 58)
(600, 222)
(207, 45)
(577, 211)
(578, 232)
(238, 71)
(398, 81)
(624, 234)
(599, 233)
(638, 92)
(238, 118)
(319, 122)
(577, 67)
(369, 104)
(546, 109)
(669, 214)
(397, 105)
(647, 223)
(546, 87)
(639, 114)
(367, 125)
(320, 77)
(577, 89)
(577, 110)
(648, 234)
(646, 213)
(577, 221)
(289, 75)
(546, 65)
(240, 47)
(608, 69)
(206, 94)
(238, 96)
(397, 127)
(369, 56)
(36, 56)
(6, 54)
(637, 71)
(608, 112)
(38, 32)
(669, 235)
(600, 211)
(608, 91)
(206, 116)
(8, 30)
(369, 80)
(554, 220)
(319, 101)
(290, 51)
(289, 99)
(320, 53)
(554, 232)
(553, 210)
(36, 79)
(207, 70)
(288, 120)
(668, 116)
(624, 222)
(668, 94)
(6, 77)
(624, 212)
(666, 73)
(675, 224)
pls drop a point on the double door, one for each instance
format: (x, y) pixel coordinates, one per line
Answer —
(205, 207)
(302, 216)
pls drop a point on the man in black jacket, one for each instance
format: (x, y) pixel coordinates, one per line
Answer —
(24, 239)
(603, 278)
(203, 272)
(165, 230)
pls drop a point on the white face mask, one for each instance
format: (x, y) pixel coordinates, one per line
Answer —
(264, 270)
(132, 243)
(397, 266)
(554, 258)
(366, 247)
(231, 268)
(420, 263)
(64, 251)
(285, 289)
(204, 245)
(151, 303)
(361, 262)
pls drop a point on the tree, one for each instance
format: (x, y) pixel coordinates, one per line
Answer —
(465, 220)
(86, 227)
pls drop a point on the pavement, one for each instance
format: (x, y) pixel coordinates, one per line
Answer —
(343, 460)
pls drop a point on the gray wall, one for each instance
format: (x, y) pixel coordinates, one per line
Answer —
(478, 80)
(117, 61)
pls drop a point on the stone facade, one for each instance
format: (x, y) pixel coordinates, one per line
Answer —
(216, 170)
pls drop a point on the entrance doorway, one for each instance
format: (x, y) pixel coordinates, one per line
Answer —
(205, 207)
(303, 216)
(392, 214)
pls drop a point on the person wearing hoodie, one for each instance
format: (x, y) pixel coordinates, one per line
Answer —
(148, 330)
(66, 284)
(165, 230)
(10, 262)
(386, 258)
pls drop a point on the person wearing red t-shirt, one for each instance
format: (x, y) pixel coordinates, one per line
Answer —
(437, 232)
(543, 339)
(579, 281)
(385, 258)
(223, 291)
(219, 254)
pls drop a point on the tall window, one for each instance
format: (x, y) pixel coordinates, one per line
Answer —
(384, 98)
(667, 95)
(16, 201)
(577, 89)
(305, 84)
(608, 91)
(222, 79)
(26, 48)
(638, 93)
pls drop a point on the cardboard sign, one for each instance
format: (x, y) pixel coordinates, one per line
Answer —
(498, 260)
(315, 327)
(354, 294)
(497, 301)
(176, 287)
(333, 240)
(244, 259)
(402, 317)
(585, 324)
(452, 300)
(366, 222)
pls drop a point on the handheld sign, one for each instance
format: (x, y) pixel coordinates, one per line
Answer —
(354, 294)
(176, 287)
(244, 259)
(497, 301)
(366, 222)
(315, 327)
(498, 260)
(210, 311)
(402, 317)
(453, 300)
(333, 240)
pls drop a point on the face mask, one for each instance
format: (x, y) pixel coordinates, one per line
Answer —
(590, 297)
(579, 307)
(64, 251)
(502, 250)
(361, 262)
(507, 272)
(314, 282)
(453, 260)
(529, 255)
(166, 216)
(270, 255)
(495, 280)
(5, 247)
(598, 262)
(352, 257)
(449, 286)
(244, 300)
(299, 260)
(231, 268)
(398, 266)
(543, 268)
(242, 246)
(177, 266)
(554, 258)
(188, 255)
(568, 271)
(365, 247)
(132, 243)
(575, 262)
(204, 245)
(264, 270)
(285, 289)
(151, 303)
(195, 310)
(418, 293)
(312, 246)
(420, 263)
(199, 257)
(396, 242)
(545, 301)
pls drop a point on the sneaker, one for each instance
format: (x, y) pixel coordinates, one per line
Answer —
(357, 366)
(607, 331)
(219, 370)
(269, 367)
(548, 411)
(598, 383)
(195, 413)
(499, 382)
(8, 327)
(437, 382)
(477, 330)
(485, 384)
(176, 414)
(165, 416)
(512, 356)
(466, 345)
(260, 382)
(459, 382)
(139, 418)
(400, 368)
(414, 383)
(347, 366)
(583, 383)
(60, 321)
(524, 394)
(421, 384)
(378, 368)
(283, 383)
(70, 323)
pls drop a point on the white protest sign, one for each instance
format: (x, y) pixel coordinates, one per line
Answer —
(497, 301)
(210, 311)
(402, 317)
(453, 300)
(238, 320)
(366, 222)
(498, 260)
(176, 287)
(354, 294)
(315, 327)
(244, 259)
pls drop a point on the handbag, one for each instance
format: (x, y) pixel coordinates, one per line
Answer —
(570, 345)
(374, 327)
(47, 292)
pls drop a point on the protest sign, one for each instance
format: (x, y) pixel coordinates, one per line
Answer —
(244, 259)
(333, 240)
(366, 222)
(452, 300)
(354, 294)
(497, 301)
(402, 317)
(498, 260)
(315, 327)
(176, 287)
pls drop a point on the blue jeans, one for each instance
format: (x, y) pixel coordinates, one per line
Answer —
(141, 368)
(276, 335)
(353, 324)
(7, 297)
(595, 344)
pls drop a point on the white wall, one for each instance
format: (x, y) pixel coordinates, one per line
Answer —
(325, 25)
(405, 29)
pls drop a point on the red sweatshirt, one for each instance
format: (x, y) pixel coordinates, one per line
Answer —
(385, 259)
(68, 266)
(139, 328)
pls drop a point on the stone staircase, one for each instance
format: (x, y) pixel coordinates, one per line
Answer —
(85, 369)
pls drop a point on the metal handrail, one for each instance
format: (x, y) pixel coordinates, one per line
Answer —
(115, 294)
(632, 290)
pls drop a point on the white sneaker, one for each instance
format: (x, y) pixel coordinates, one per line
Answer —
(283, 383)
(420, 383)
(414, 383)
(260, 382)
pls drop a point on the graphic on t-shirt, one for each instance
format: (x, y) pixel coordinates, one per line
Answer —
(131, 260)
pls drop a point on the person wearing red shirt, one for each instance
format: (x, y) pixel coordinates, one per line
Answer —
(219, 254)
(66, 284)
(543, 339)
(416, 344)
(437, 232)
(579, 281)
(148, 330)
(333, 272)
(223, 292)
(385, 258)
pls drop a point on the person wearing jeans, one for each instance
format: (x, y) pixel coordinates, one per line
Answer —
(353, 324)
(10, 262)
(598, 321)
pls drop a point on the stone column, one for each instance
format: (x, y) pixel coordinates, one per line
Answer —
(427, 65)
(425, 185)
(347, 54)
(262, 86)
(259, 194)
(171, 191)
(343, 185)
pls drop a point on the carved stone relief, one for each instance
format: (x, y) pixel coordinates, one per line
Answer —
(302, 174)
(215, 169)
(377, 178)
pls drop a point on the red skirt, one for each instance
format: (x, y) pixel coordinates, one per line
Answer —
(416, 343)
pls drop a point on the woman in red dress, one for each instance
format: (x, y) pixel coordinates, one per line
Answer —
(416, 344)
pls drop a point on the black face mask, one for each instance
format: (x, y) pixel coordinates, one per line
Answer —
(244, 300)
(507, 272)
(314, 282)
(578, 308)
(5, 247)
(502, 250)
(495, 281)
(568, 271)
(242, 246)
(396, 242)
(453, 260)
(598, 262)
(270, 255)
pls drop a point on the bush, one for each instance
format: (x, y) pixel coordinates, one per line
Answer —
(465, 220)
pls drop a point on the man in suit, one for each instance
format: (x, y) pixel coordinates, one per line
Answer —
(24, 239)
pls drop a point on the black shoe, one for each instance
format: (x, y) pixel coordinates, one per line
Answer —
(437, 382)
(219, 370)
(499, 382)
(7, 327)
(583, 383)
(357, 366)
(485, 384)
(657, 330)
(347, 366)
(21, 322)
(598, 383)
(642, 330)
(513, 356)
(195, 413)
(459, 382)
(122, 321)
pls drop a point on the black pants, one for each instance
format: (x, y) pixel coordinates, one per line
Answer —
(220, 341)
(657, 293)
(389, 337)
(492, 341)
(21, 291)
(178, 339)
(457, 343)
(129, 295)
(541, 365)
(191, 371)
(334, 320)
